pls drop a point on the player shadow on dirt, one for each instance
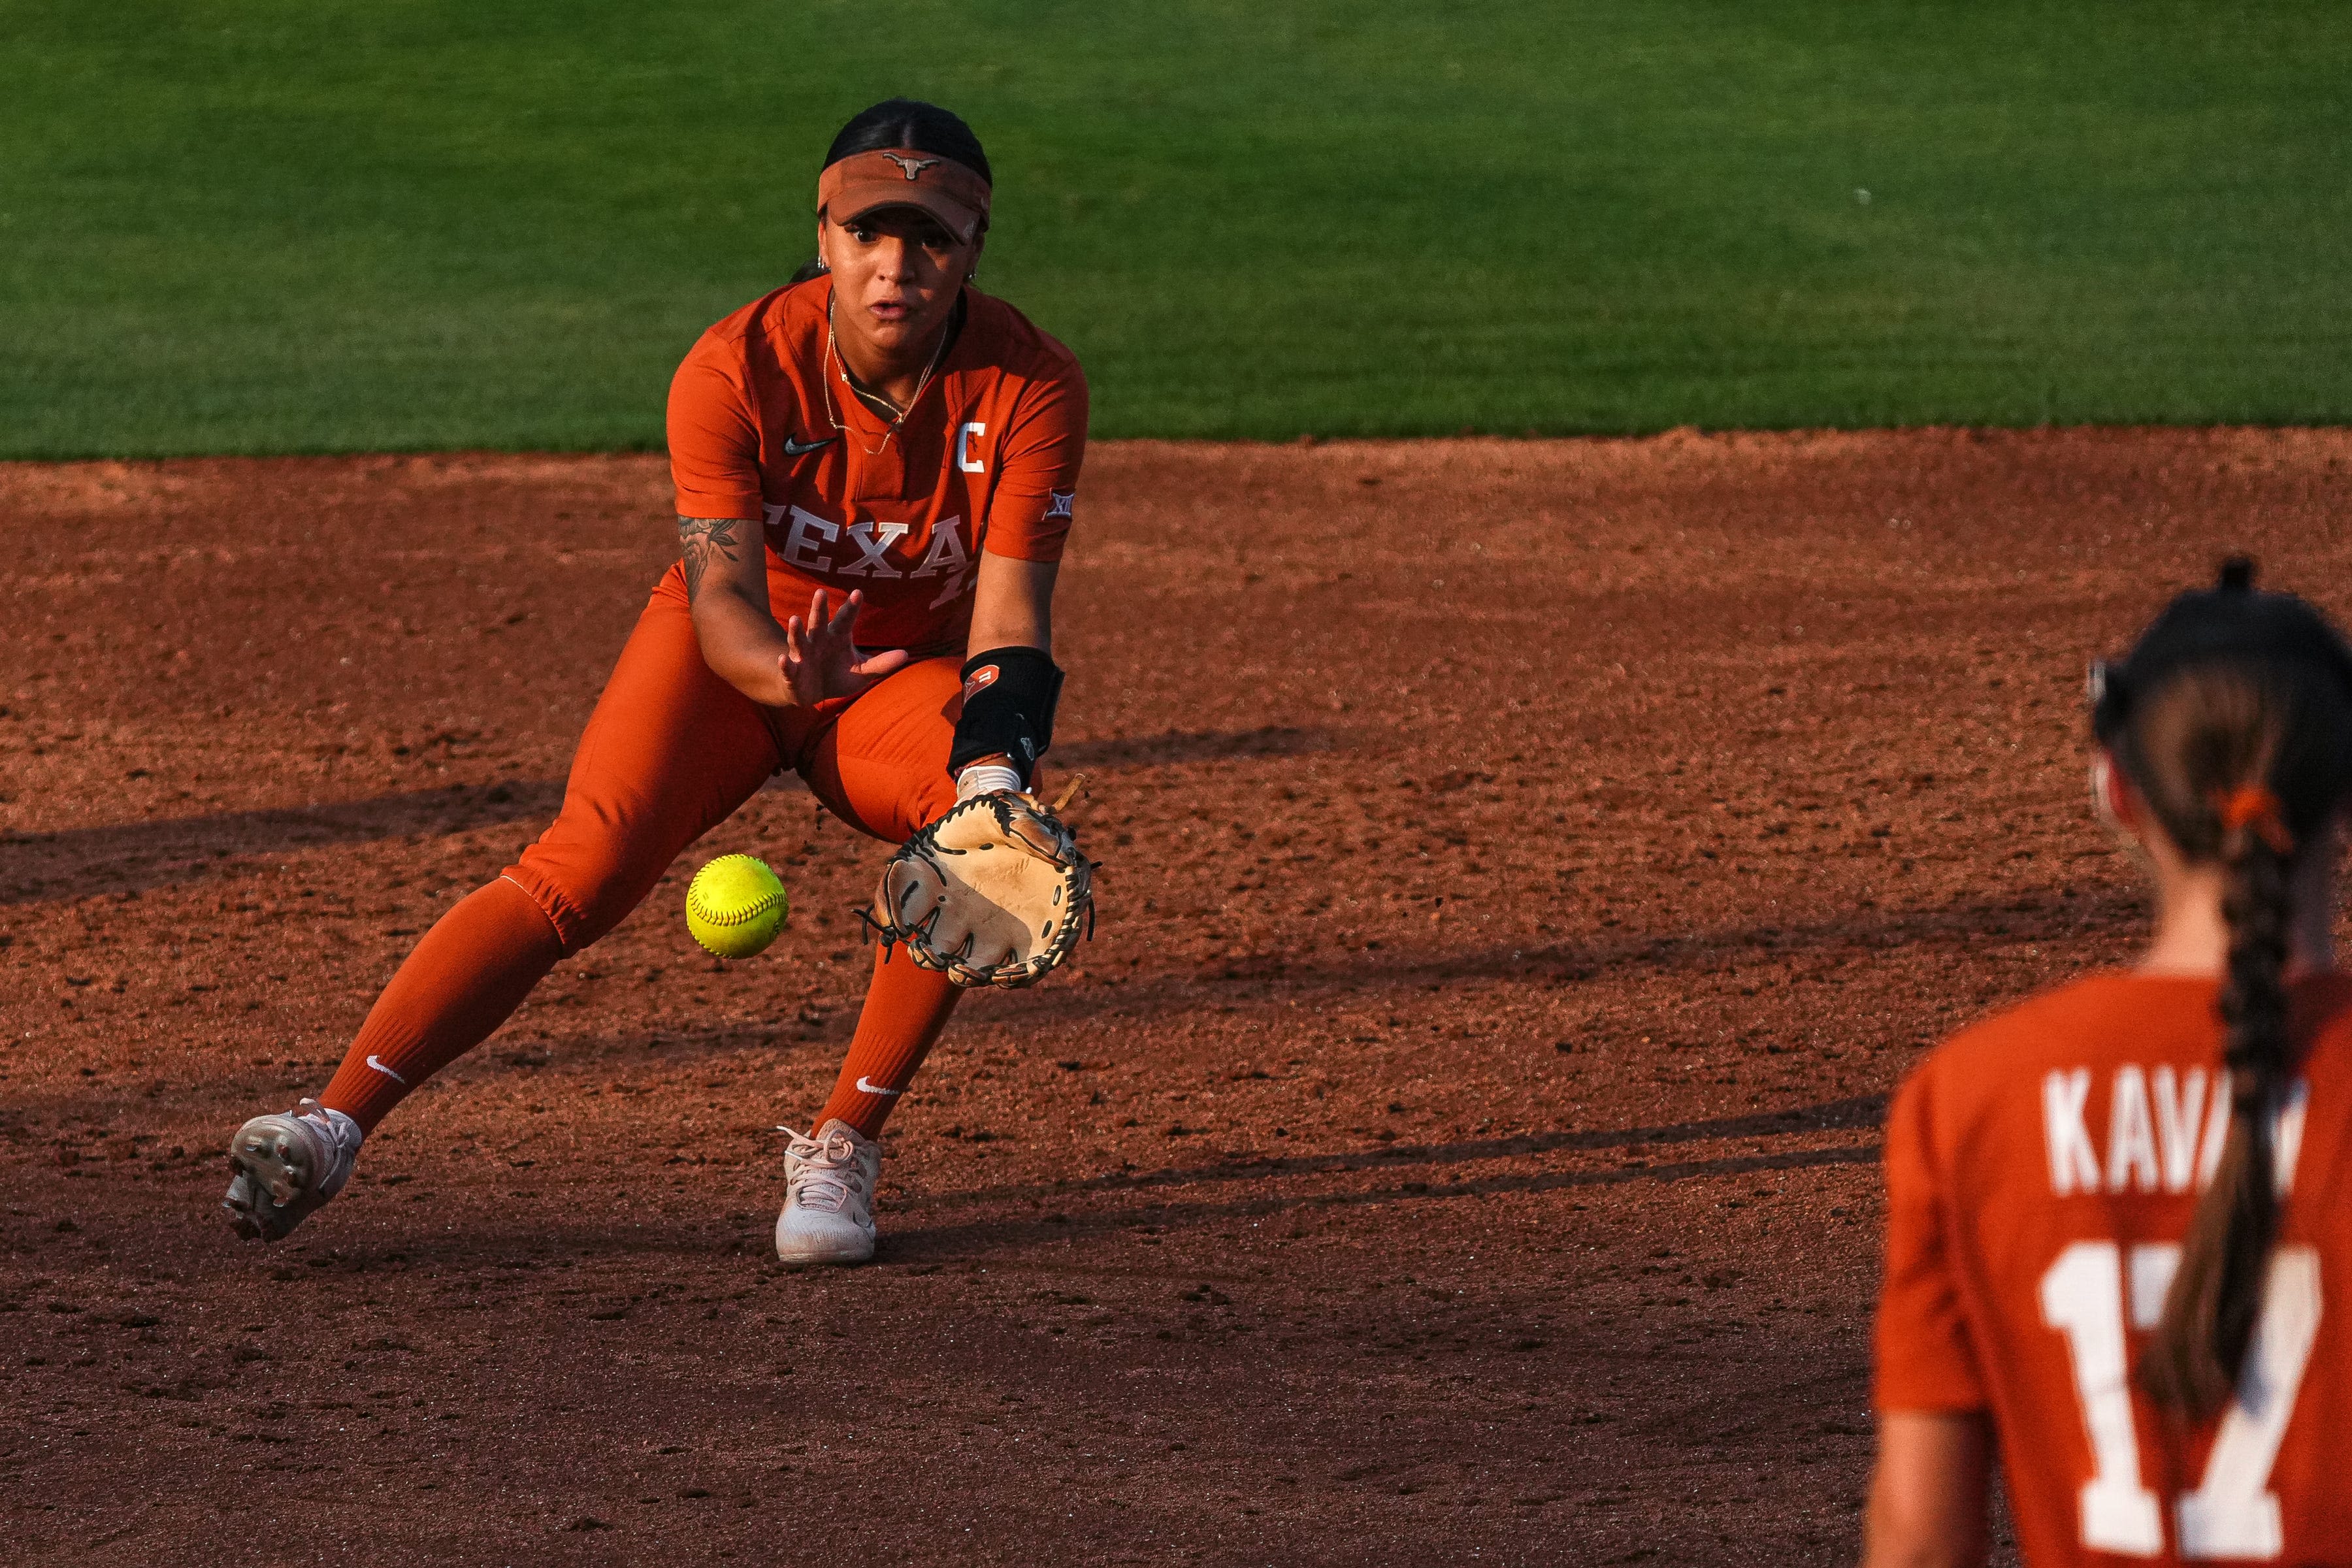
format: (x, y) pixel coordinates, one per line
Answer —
(946, 1243)
(94, 862)
(1013, 1216)
(1047, 1215)
(1868, 1110)
(1017, 1215)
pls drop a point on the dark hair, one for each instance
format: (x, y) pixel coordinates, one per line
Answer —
(903, 122)
(2232, 718)
(909, 122)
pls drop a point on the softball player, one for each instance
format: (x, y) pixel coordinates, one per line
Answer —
(2120, 1226)
(873, 468)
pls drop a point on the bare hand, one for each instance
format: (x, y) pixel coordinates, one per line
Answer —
(820, 659)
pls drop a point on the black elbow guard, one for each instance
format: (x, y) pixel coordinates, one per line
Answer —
(1008, 707)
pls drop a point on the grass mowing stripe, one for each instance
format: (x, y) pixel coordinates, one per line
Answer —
(254, 226)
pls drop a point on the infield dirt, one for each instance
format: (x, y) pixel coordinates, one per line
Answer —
(1527, 866)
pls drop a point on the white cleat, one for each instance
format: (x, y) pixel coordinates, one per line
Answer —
(828, 1195)
(286, 1166)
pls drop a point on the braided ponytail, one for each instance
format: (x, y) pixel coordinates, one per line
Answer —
(2192, 1363)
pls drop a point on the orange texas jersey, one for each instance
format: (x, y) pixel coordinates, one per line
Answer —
(2041, 1169)
(987, 460)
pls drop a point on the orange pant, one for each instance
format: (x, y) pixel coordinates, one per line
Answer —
(670, 752)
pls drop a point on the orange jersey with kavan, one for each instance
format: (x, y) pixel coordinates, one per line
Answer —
(2041, 1171)
(762, 426)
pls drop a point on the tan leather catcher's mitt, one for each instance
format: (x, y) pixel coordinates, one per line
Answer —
(993, 893)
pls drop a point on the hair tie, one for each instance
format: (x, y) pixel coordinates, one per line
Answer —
(2254, 805)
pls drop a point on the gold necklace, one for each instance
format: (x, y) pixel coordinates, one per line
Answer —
(833, 358)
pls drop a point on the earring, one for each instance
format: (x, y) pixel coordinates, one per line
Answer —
(822, 266)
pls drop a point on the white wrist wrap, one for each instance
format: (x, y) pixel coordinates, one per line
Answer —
(985, 778)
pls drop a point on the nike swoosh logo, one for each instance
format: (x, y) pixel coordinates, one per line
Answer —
(801, 448)
(387, 1071)
(863, 1087)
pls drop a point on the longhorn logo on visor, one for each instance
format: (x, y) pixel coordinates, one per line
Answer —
(913, 166)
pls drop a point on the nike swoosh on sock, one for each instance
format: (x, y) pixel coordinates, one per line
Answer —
(386, 1071)
(863, 1087)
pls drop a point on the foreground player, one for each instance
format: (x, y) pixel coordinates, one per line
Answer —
(880, 437)
(2118, 1237)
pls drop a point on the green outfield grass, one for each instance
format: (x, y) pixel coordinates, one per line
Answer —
(259, 225)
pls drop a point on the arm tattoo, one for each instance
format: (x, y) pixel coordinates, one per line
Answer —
(700, 538)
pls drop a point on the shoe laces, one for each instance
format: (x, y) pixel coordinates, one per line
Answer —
(823, 1172)
(340, 1139)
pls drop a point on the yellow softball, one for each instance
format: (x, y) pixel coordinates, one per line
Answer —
(735, 905)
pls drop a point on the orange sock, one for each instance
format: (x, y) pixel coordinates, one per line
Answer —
(473, 969)
(906, 1009)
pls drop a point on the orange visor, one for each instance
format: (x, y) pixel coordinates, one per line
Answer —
(904, 178)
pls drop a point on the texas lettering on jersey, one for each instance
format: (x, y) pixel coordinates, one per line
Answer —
(985, 462)
(879, 552)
